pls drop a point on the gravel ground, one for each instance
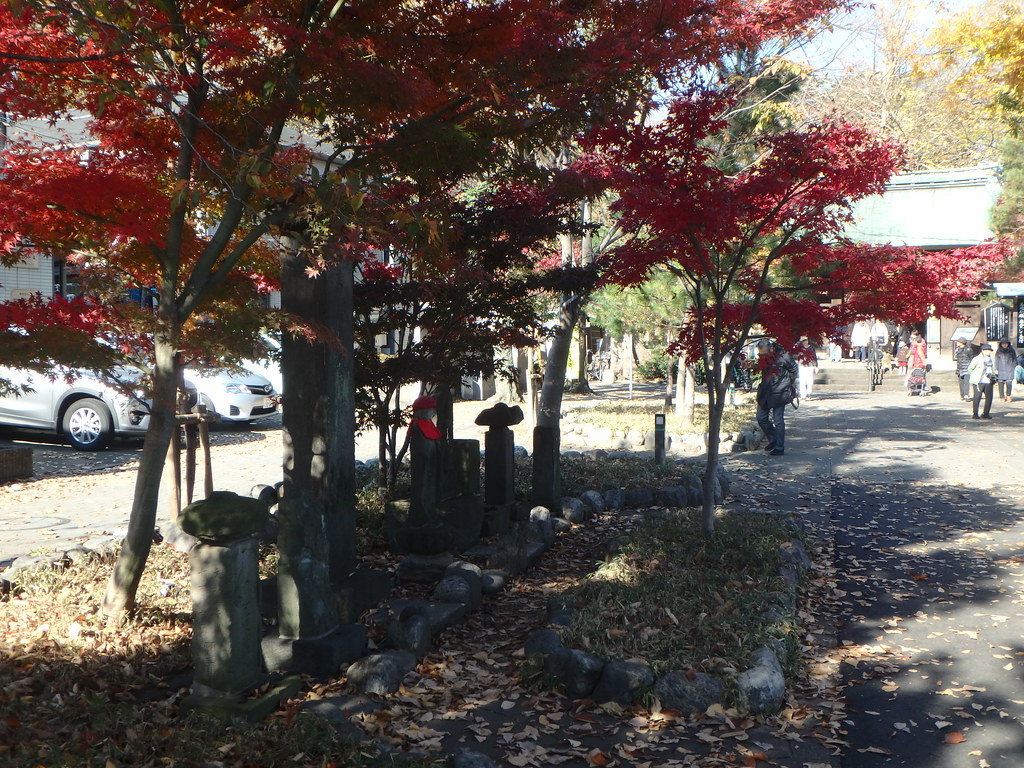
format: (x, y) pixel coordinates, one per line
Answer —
(75, 495)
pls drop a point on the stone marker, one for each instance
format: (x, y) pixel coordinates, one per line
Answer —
(499, 464)
(226, 623)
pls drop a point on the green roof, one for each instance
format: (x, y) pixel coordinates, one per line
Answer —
(930, 209)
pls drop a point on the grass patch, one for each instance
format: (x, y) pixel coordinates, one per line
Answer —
(639, 416)
(681, 600)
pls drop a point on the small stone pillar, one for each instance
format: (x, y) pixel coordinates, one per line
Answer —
(499, 465)
(547, 470)
(659, 438)
(226, 625)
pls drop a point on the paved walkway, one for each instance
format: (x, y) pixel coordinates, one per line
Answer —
(926, 509)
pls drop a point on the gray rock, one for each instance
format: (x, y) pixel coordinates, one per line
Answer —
(572, 455)
(493, 580)
(423, 569)
(410, 632)
(102, 545)
(520, 452)
(689, 692)
(671, 496)
(560, 526)
(762, 688)
(467, 758)
(559, 619)
(339, 710)
(577, 672)
(623, 682)
(593, 500)
(540, 519)
(639, 497)
(789, 575)
(441, 616)
(382, 672)
(574, 510)
(175, 538)
(723, 480)
(793, 552)
(532, 553)
(614, 499)
(597, 454)
(472, 574)
(542, 642)
(79, 555)
(694, 491)
(455, 589)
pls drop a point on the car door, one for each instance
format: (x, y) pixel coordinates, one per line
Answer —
(28, 409)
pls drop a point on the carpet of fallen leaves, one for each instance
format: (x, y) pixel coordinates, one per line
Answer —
(72, 687)
(468, 691)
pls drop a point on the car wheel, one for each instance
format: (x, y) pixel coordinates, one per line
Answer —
(87, 425)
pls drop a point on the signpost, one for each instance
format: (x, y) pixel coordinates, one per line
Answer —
(997, 322)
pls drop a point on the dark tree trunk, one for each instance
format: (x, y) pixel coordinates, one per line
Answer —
(307, 605)
(131, 562)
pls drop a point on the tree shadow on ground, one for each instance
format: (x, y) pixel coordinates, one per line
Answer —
(927, 515)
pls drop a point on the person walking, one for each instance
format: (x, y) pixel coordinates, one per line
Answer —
(808, 363)
(778, 388)
(918, 351)
(982, 372)
(962, 357)
(860, 337)
(1006, 361)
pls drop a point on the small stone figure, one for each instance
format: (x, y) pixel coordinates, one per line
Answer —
(426, 461)
(499, 452)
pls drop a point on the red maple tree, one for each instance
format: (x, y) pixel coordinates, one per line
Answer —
(762, 247)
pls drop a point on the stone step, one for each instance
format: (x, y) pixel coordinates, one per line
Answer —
(854, 378)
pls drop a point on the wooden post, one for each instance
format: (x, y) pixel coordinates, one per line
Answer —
(204, 441)
(191, 446)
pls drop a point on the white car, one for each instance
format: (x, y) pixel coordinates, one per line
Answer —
(87, 410)
(235, 395)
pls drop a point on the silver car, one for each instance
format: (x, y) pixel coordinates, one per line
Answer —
(84, 408)
(236, 395)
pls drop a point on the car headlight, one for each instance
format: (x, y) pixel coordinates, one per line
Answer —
(234, 389)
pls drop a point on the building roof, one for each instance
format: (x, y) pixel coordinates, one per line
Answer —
(934, 210)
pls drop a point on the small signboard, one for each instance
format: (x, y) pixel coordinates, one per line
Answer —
(1009, 289)
(967, 334)
(997, 322)
(1020, 321)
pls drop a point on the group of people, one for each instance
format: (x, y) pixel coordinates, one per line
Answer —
(980, 374)
(786, 378)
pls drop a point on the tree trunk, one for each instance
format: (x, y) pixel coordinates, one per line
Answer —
(716, 406)
(550, 406)
(686, 403)
(131, 562)
(582, 379)
(306, 601)
(340, 482)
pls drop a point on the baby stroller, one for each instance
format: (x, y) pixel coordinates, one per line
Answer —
(917, 382)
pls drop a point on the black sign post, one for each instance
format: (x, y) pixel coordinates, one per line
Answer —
(997, 322)
(1020, 321)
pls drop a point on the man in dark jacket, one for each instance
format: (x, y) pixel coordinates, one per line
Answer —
(777, 389)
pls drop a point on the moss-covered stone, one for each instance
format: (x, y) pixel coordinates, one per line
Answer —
(224, 516)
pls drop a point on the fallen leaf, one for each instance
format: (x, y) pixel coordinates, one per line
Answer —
(597, 757)
(954, 737)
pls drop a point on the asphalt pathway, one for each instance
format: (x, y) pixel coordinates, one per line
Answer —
(925, 505)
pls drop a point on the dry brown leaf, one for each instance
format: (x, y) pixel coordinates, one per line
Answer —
(953, 737)
(597, 757)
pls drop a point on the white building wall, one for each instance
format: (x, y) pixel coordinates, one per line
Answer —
(32, 275)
